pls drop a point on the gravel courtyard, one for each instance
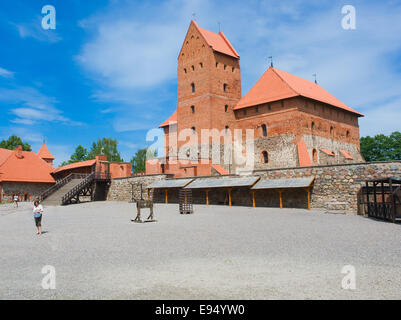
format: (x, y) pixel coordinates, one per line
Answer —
(216, 253)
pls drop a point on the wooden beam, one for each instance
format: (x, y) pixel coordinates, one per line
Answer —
(148, 194)
(166, 190)
(207, 197)
(229, 196)
(280, 191)
(253, 199)
(308, 191)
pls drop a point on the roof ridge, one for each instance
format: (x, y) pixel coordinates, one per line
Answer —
(228, 43)
(281, 78)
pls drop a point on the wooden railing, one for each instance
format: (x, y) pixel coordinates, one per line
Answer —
(381, 211)
(60, 183)
(77, 189)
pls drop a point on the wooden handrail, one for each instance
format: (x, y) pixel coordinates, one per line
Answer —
(73, 192)
(59, 184)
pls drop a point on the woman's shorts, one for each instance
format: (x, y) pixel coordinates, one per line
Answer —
(38, 221)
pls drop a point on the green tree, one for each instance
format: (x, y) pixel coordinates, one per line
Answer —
(381, 147)
(108, 147)
(138, 161)
(80, 154)
(14, 141)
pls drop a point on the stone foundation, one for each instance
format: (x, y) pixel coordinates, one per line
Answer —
(25, 191)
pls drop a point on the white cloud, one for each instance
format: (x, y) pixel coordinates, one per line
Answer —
(5, 73)
(34, 30)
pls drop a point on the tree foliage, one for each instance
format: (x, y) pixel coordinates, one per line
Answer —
(381, 147)
(14, 141)
(80, 154)
(138, 161)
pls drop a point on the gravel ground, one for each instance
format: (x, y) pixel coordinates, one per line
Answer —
(216, 253)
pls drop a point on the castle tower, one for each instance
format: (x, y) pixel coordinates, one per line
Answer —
(45, 154)
(209, 82)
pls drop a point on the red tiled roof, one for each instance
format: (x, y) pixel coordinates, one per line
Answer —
(27, 168)
(44, 152)
(346, 154)
(169, 121)
(276, 84)
(4, 154)
(74, 165)
(220, 169)
(303, 155)
(327, 152)
(217, 41)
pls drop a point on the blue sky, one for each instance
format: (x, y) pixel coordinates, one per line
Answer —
(109, 68)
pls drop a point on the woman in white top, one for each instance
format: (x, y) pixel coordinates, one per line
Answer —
(15, 199)
(37, 214)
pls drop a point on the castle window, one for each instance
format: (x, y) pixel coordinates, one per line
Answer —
(201, 64)
(225, 87)
(193, 130)
(193, 109)
(233, 69)
(265, 157)
(264, 130)
(314, 155)
(269, 107)
(347, 134)
(193, 87)
(185, 70)
(217, 64)
(331, 130)
(225, 67)
(226, 108)
(193, 68)
(226, 129)
(312, 125)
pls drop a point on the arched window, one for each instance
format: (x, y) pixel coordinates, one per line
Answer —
(225, 87)
(226, 108)
(193, 68)
(185, 70)
(225, 67)
(314, 155)
(193, 109)
(193, 130)
(201, 64)
(312, 125)
(331, 130)
(264, 130)
(233, 69)
(226, 129)
(217, 64)
(265, 157)
(347, 134)
(193, 87)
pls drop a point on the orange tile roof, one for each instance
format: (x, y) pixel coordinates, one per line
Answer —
(27, 168)
(74, 165)
(217, 41)
(169, 121)
(220, 169)
(44, 152)
(4, 154)
(276, 84)
(346, 154)
(303, 155)
(327, 152)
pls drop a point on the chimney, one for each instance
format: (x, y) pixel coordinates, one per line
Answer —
(18, 152)
(101, 157)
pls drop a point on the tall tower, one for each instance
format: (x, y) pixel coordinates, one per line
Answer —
(209, 81)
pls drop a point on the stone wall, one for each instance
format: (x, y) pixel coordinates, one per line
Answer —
(25, 191)
(121, 189)
(336, 186)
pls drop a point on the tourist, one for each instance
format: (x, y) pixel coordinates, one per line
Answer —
(15, 199)
(37, 214)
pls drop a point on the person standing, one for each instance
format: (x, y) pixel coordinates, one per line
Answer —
(37, 214)
(15, 199)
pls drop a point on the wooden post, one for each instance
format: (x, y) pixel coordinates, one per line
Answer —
(207, 197)
(229, 196)
(375, 199)
(367, 198)
(308, 191)
(166, 196)
(148, 194)
(185, 200)
(253, 199)
(280, 191)
(392, 200)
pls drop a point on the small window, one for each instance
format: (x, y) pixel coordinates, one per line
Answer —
(347, 134)
(185, 70)
(201, 64)
(257, 109)
(226, 108)
(264, 130)
(225, 87)
(193, 68)
(233, 69)
(193, 109)
(217, 64)
(331, 130)
(265, 157)
(269, 107)
(193, 130)
(225, 67)
(226, 129)
(193, 87)
(314, 155)
(312, 125)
